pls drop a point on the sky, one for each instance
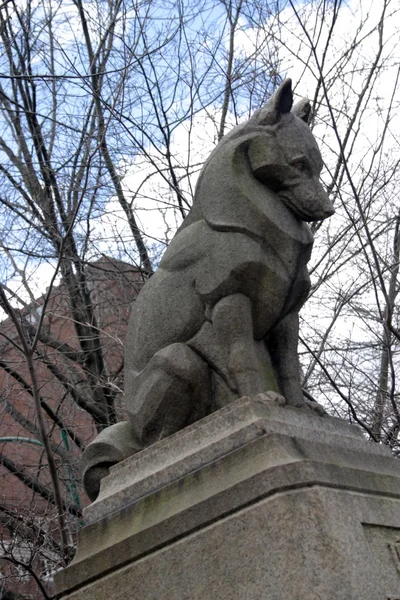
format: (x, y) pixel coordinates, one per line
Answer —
(154, 205)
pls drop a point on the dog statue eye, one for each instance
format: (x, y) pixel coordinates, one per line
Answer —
(302, 165)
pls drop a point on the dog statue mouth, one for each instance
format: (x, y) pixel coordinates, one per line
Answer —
(319, 213)
(305, 208)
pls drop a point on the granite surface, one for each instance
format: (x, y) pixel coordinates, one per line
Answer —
(256, 501)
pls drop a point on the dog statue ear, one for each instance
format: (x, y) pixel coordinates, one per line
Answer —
(302, 110)
(279, 104)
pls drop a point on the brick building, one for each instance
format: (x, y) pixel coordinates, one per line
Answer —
(29, 527)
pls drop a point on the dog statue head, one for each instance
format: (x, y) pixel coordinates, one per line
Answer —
(269, 164)
(285, 155)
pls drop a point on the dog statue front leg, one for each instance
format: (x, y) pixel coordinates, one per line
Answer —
(282, 344)
(233, 324)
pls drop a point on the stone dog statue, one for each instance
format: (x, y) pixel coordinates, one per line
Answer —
(219, 319)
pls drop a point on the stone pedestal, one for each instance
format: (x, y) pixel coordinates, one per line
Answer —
(253, 502)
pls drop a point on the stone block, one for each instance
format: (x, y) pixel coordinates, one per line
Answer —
(256, 501)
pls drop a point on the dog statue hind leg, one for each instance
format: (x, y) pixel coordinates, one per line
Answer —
(170, 393)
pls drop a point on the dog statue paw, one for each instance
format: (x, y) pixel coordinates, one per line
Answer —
(271, 398)
(316, 407)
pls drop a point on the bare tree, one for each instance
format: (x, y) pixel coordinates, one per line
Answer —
(88, 93)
